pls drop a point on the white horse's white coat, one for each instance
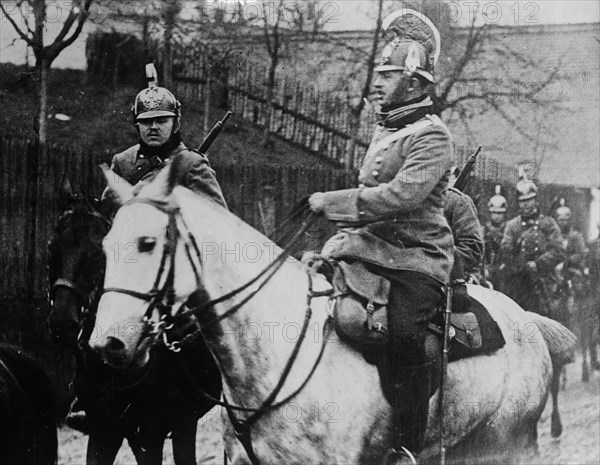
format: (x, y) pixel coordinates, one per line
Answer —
(341, 417)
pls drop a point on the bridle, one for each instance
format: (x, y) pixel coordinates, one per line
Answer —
(86, 298)
(162, 298)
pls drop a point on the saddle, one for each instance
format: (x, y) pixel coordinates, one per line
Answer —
(361, 306)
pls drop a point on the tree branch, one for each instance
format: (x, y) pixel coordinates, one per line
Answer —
(23, 36)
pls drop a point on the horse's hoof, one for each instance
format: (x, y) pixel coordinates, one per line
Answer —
(556, 427)
(78, 421)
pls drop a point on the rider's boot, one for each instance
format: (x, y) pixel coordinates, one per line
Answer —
(410, 392)
(410, 411)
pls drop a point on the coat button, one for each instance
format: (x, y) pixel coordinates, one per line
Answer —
(141, 155)
(378, 158)
(375, 173)
(139, 168)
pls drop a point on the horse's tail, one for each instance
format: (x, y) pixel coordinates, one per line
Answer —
(560, 340)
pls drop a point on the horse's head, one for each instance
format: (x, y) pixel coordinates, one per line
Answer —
(146, 248)
(75, 262)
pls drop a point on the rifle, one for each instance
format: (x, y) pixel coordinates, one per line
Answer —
(213, 133)
(463, 177)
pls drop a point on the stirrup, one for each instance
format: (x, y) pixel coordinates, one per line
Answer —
(397, 457)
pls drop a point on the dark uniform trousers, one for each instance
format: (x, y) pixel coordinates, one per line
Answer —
(412, 360)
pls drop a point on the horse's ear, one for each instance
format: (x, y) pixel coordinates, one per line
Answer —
(65, 192)
(117, 189)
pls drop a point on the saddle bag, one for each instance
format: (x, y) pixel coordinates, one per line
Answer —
(360, 312)
(464, 330)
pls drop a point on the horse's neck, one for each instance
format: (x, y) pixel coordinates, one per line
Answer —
(254, 343)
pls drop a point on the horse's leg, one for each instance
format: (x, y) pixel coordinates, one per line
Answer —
(147, 446)
(103, 445)
(585, 346)
(556, 424)
(184, 442)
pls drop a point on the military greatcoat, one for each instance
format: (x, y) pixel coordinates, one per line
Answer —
(395, 218)
(462, 217)
(196, 175)
(537, 239)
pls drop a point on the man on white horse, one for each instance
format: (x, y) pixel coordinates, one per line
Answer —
(494, 230)
(394, 221)
(157, 114)
(531, 248)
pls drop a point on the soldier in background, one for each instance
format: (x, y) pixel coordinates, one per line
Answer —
(494, 231)
(531, 248)
(592, 308)
(573, 242)
(461, 214)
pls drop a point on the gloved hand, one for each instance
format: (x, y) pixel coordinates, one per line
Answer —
(317, 202)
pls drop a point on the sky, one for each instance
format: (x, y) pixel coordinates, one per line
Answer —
(360, 14)
(351, 15)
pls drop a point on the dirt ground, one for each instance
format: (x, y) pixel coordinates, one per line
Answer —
(579, 444)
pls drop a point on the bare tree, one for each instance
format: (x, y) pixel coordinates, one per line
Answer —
(46, 54)
(356, 108)
(170, 9)
(469, 84)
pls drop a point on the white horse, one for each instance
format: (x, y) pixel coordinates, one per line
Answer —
(337, 413)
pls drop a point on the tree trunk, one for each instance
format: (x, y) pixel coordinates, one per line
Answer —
(43, 73)
(354, 127)
(270, 100)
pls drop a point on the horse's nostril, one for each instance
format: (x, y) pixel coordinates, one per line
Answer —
(114, 345)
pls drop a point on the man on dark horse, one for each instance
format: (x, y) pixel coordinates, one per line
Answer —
(394, 221)
(494, 230)
(156, 115)
(531, 248)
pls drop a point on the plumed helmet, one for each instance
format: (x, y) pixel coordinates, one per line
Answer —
(154, 101)
(415, 48)
(563, 211)
(526, 189)
(497, 203)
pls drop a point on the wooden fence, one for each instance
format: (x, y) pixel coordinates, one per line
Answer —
(261, 195)
(299, 113)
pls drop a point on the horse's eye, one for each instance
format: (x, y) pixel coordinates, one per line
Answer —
(146, 243)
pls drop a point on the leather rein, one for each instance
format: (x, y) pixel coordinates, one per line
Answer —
(162, 298)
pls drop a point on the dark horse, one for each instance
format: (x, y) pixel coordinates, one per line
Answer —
(27, 411)
(141, 405)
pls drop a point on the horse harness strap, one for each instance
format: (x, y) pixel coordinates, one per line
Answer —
(242, 428)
